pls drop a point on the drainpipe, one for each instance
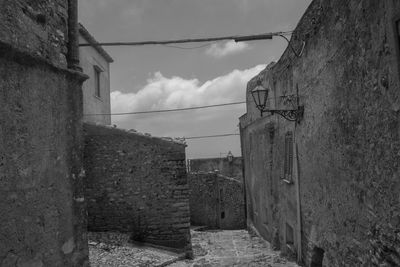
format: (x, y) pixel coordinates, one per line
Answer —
(73, 39)
(298, 208)
(243, 172)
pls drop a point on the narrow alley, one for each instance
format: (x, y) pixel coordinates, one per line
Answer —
(210, 248)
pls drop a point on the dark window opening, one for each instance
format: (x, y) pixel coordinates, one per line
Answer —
(97, 73)
(288, 163)
(398, 28)
(317, 257)
(266, 216)
(289, 235)
(223, 215)
(221, 195)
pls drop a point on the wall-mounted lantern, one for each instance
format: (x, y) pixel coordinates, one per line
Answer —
(230, 156)
(260, 96)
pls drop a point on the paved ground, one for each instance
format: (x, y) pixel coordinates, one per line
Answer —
(210, 248)
(113, 250)
(232, 248)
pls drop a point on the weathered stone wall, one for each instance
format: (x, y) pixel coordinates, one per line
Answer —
(346, 168)
(222, 165)
(204, 199)
(137, 184)
(36, 27)
(216, 201)
(42, 208)
(231, 203)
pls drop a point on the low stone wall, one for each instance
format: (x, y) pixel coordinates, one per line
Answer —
(216, 201)
(231, 203)
(137, 184)
(204, 199)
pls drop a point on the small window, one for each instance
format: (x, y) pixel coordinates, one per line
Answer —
(97, 84)
(398, 33)
(398, 28)
(289, 235)
(221, 195)
(266, 216)
(317, 257)
(288, 164)
(223, 215)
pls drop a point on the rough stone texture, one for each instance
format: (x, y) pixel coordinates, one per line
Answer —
(216, 201)
(222, 165)
(42, 209)
(111, 249)
(204, 200)
(347, 143)
(137, 184)
(36, 27)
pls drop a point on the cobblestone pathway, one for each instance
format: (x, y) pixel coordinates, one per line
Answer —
(232, 248)
(113, 250)
(210, 248)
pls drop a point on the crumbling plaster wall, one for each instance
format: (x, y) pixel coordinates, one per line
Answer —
(348, 140)
(137, 184)
(43, 218)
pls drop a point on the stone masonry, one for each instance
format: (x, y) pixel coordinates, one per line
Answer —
(216, 201)
(338, 203)
(137, 184)
(42, 207)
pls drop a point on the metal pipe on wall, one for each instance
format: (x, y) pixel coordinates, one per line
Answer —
(73, 41)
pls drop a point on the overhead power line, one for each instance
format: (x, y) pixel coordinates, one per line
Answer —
(165, 110)
(236, 38)
(210, 136)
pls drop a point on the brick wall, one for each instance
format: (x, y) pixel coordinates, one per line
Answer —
(344, 196)
(216, 201)
(42, 207)
(137, 184)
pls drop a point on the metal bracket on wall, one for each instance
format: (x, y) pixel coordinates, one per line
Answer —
(290, 45)
(295, 114)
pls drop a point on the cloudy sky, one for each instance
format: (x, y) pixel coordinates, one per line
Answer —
(187, 75)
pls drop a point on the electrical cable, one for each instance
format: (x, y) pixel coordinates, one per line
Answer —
(210, 136)
(166, 110)
(236, 38)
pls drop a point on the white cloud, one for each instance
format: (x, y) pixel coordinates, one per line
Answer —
(176, 92)
(165, 93)
(228, 48)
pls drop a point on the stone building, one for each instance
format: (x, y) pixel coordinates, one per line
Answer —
(227, 166)
(216, 201)
(326, 188)
(137, 184)
(42, 206)
(95, 62)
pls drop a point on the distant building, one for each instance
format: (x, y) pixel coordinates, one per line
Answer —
(230, 167)
(95, 62)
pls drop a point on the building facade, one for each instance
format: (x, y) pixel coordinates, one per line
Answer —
(326, 188)
(42, 205)
(95, 62)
